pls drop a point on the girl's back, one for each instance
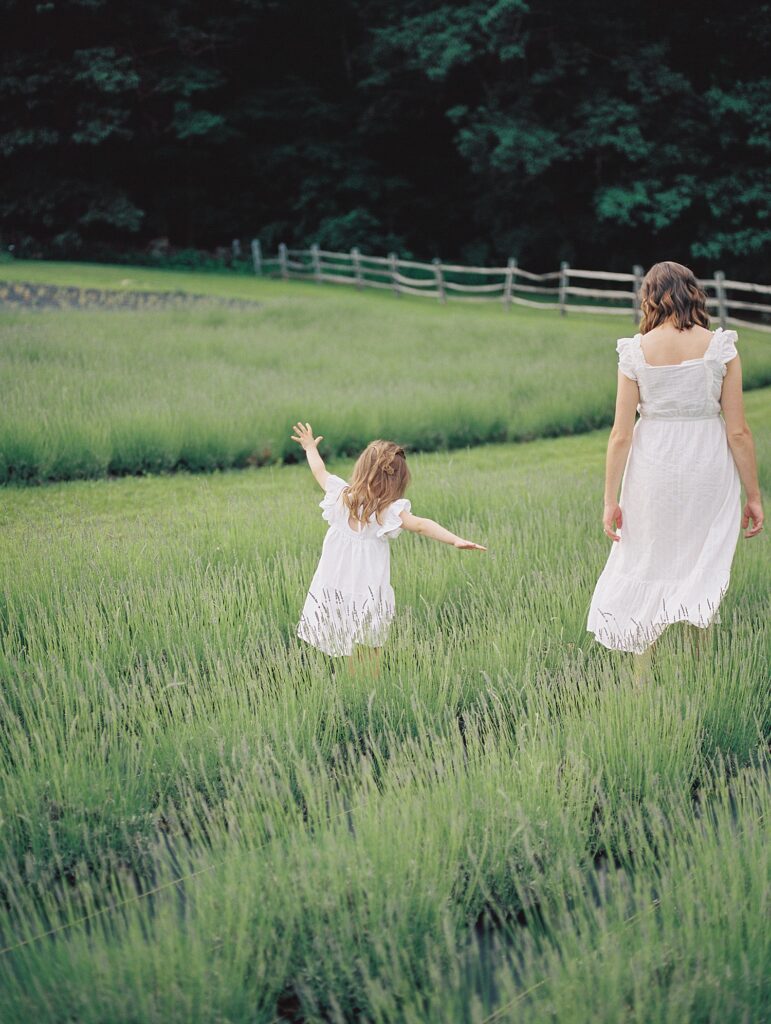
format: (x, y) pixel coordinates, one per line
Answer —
(350, 601)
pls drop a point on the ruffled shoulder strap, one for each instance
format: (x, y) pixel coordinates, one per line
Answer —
(628, 349)
(391, 525)
(330, 504)
(723, 345)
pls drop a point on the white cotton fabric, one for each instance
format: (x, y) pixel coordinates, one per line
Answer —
(351, 600)
(680, 500)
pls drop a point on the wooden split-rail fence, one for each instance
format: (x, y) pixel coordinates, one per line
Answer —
(567, 289)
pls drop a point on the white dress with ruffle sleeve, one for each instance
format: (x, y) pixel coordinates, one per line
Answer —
(680, 500)
(351, 600)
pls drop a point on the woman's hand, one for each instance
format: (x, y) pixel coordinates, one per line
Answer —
(303, 434)
(612, 520)
(468, 545)
(753, 511)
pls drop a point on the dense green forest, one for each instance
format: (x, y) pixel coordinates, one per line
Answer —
(593, 131)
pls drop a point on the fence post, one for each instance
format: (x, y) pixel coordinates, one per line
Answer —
(356, 265)
(393, 267)
(282, 258)
(637, 270)
(563, 296)
(257, 256)
(439, 278)
(509, 285)
(316, 259)
(722, 311)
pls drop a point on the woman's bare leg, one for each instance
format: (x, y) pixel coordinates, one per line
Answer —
(642, 667)
(700, 640)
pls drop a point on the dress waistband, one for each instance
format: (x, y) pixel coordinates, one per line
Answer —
(680, 419)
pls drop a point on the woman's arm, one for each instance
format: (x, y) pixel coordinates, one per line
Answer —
(303, 434)
(619, 443)
(742, 446)
(428, 528)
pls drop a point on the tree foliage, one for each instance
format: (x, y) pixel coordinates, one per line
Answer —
(591, 131)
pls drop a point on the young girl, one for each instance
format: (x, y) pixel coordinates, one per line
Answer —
(351, 600)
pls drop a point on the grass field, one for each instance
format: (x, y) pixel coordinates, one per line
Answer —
(216, 823)
(501, 824)
(92, 393)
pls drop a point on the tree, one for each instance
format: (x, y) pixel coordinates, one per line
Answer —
(588, 131)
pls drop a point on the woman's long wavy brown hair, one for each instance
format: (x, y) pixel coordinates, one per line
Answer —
(671, 291)
(379, 477)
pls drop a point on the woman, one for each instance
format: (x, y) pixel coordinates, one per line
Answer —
(675, 530)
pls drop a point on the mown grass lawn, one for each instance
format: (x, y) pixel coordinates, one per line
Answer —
(500, 826)
(90, 393)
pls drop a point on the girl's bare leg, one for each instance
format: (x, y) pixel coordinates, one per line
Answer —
(367, 658)
(370, 658)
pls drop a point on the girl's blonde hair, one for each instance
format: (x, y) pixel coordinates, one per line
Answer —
(670, 290)
(379, 477)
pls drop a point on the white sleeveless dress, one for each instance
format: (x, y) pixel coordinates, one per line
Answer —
(351, 600)
(680, 500)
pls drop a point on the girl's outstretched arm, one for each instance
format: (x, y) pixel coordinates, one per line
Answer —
(303, 434)
(428, 528)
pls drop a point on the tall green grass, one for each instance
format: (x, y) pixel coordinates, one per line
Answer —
(499, 824)
(90, 393)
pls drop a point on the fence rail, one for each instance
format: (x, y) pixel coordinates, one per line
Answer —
(505, 285)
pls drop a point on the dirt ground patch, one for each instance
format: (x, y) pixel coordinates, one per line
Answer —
(51, 296)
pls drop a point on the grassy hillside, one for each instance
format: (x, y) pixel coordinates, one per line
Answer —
(93, 393)
(499, 827)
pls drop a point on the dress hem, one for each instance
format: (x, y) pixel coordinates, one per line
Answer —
(637, 635)
(337, 652)
(654, 631)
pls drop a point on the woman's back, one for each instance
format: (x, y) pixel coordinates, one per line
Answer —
(666, 346)
(676, 521)
(678, 377)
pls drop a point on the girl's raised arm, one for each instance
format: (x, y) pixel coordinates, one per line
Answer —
(303, 434)
(428, 528)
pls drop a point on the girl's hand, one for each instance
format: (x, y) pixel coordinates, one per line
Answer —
(303, 434)
(612, 519)
(753, 510)
(468, 545)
